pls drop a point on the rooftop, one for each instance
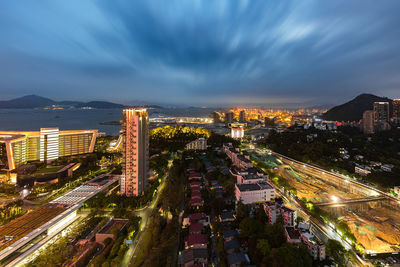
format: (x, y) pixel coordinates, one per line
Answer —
(293, 232)
(254, 187)
(237, 258)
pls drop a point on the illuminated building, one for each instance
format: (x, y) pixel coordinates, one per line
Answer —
(237, 131)
(381, 111)
(242, 116)
(368, 122)
(254, 193)
(135, 148)
(18, 147)
(198, 144)
(396, 109)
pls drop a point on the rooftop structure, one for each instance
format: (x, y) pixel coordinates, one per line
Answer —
(249, 176)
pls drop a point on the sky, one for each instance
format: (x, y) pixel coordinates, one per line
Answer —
(208, 53)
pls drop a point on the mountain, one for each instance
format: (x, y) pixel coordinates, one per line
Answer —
(354, 109)
(34, 101)
(29, 101)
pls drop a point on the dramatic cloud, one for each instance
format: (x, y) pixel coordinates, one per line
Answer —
(200, 52)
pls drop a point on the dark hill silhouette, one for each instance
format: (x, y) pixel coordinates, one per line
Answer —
(354, 109)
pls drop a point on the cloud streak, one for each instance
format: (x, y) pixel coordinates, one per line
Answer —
(200, 52)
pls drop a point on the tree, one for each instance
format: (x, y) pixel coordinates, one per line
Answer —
(263, 246)
(250, 228)
(242, 211)
(336, 251)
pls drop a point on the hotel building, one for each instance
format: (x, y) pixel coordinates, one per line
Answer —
(135, 149)
(237, 130)
(20, 147)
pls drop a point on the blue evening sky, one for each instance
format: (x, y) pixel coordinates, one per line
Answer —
(200, 52)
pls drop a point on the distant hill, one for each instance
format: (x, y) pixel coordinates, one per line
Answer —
(354, 109)
(100, 104)
(34, 101)
(29, 101)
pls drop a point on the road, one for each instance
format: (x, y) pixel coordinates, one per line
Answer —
(144, 213)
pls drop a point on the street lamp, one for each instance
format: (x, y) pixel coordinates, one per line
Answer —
(334, 198)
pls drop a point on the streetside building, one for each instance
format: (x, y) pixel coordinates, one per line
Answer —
(135, 149)
(19, 147)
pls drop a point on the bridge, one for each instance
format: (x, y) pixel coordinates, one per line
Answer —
(350, 201)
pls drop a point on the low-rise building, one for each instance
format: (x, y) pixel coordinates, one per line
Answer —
(272, 210)
(362, 170)
(194, 257)
(315, 247)
(230, 234)
(387, 167)
(254, 193)
(196, 241)
(237, 259)
(227, 216)
(198, 144)
(249, 176)
(293, 235)
(196, 228)
(231, 246)
(289, 216)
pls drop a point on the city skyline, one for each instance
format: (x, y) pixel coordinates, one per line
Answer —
(200, 53)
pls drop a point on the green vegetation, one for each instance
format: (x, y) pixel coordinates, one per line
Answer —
(62, 250)
(114, 251)
(8, 190)
(160, 240)
(49, 169)
(11, 211)
(267, 242)
(341, 227)
(337, 252)
(174, 138)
